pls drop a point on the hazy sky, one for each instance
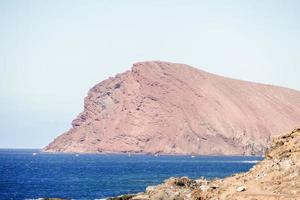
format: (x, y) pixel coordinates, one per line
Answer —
(52, 52)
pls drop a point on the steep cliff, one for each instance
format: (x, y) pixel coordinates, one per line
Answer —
(162, 107)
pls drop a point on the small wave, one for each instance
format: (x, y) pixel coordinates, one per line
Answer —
(239, 161)
(250, 161)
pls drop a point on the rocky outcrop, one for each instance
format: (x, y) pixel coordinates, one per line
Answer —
(168, 108)
(277, 177)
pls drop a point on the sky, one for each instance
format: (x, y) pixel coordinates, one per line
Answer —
(52, 52)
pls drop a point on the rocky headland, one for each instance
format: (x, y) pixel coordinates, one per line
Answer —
(277, 177)
(169, 108)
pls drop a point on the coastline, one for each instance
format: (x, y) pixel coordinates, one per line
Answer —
(41, 151)
(145, 153)
(275, 177)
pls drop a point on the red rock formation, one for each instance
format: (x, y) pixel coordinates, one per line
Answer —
(161, 107)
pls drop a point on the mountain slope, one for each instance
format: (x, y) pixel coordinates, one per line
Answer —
(161, 107)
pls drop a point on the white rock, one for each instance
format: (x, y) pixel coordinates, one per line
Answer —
(150, 188)
(203, 188)
(241, 189)
(286, 164)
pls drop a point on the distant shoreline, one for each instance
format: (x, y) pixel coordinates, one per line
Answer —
(33, 150)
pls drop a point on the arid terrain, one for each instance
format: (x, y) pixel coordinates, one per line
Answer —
(277, 177)
(168, 108)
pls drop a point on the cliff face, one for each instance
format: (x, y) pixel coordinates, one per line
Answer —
(161, 107)
(275, 178)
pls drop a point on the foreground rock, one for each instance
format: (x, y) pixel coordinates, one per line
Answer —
(277, 177)
(161, 107)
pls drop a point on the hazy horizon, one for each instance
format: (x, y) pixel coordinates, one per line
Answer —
(53, 52)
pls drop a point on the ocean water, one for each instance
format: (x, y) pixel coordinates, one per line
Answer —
(95, 176)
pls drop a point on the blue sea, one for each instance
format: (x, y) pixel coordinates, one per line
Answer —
(24, 175)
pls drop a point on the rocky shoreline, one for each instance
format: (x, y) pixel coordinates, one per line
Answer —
(277, 177)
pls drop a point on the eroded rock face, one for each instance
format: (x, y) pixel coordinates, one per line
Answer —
(277, 177)
(161, 107)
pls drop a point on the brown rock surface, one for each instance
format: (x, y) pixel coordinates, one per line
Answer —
(161, 107)
(277, 177)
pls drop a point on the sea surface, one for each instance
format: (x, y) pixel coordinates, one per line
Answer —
(24, 175)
